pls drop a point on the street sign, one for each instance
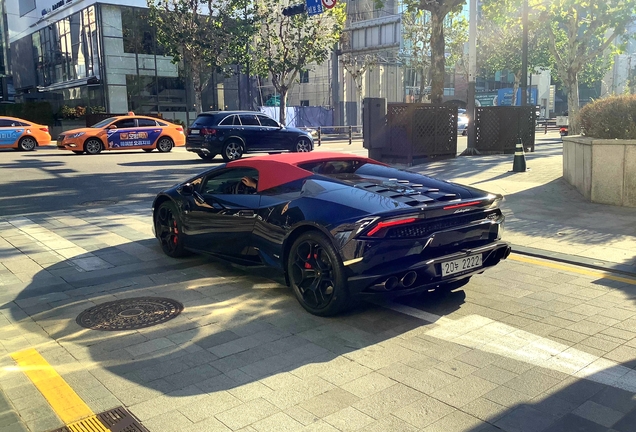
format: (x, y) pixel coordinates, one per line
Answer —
(314, 7)
(329, 3)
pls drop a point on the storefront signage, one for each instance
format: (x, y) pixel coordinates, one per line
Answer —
(55, 6)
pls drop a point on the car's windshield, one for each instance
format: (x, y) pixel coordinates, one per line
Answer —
(104, 122)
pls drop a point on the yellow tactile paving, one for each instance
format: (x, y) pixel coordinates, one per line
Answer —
(68, 406)
(572, 269)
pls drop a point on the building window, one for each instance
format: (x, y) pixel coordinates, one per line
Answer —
(304, 102)
(304, 76)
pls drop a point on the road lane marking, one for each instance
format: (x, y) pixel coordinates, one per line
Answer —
(572, 269)
(68, 406)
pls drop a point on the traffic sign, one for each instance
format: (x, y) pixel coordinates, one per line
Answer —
(314, 7)
(328, 3)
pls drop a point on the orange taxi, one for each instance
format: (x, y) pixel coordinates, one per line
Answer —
(130, 132)
(22, 134)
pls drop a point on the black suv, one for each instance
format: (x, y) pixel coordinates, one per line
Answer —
(233, 133)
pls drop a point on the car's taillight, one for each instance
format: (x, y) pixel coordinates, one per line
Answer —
(179, 129)
(386, 224)
(468, 204)
(45, 129)
(208, 131)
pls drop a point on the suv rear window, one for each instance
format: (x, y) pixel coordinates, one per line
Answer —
(204, 120)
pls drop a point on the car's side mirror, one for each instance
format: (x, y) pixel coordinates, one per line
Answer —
(187, 189)
(112, 127)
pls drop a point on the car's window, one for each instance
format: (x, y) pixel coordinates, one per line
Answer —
(225, 181)
(266, 121)
(333, 167)
(145, 122)
(125, 123)
(104, 123)
(249, 120)
(7, 123)
(204, 120)
(161, 123)
(228, 121)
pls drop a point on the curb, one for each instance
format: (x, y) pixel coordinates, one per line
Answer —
(624, 269)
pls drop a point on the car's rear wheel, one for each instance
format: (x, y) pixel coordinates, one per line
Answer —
(78, 152)
(27, 144)
(303, 145)
(148, 150)
(93, 146)
(206, 157)
(169, 230)
(164, 145)
(316, 275)
(232, 150)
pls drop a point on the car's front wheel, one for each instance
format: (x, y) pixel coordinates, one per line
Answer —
(164, 145)
(169, 230)
(302, 145)
(93, 146)
(232, 150)
(27, 144)
(316, 275)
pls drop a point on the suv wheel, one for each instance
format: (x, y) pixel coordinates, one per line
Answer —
(232, 150)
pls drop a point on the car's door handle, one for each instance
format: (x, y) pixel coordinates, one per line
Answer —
(245, 213)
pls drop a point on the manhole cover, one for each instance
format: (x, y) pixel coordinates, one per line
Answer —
(98, 203)
(130, 314)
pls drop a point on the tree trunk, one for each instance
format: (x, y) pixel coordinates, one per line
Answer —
(196, 84)
(515, 89)
(438, 61)
(573, 103)
(283, 106)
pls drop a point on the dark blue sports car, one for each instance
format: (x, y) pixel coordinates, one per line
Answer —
(339, 226)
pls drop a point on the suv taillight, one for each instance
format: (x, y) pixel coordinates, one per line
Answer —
(208, 131)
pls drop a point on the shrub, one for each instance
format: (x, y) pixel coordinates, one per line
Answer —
(613, 117)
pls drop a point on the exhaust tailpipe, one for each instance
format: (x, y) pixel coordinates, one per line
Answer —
(408, 279)
(390, 283)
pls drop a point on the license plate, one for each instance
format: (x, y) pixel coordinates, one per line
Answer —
(195, 132)
(460, 265)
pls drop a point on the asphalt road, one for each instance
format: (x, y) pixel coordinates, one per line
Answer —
(49, 179)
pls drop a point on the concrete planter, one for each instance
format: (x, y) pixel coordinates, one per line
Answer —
(603, 170)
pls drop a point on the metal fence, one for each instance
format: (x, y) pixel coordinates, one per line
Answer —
(498, 129)
(418, 131)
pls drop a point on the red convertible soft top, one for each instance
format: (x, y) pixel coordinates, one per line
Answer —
(276, 170)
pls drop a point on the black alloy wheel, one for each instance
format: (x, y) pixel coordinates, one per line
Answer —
(93, 146)
(206, 157)
(316, 275)
(232, 150)
(164, 145)
(27, 144)
(303, 145)
(169, 230)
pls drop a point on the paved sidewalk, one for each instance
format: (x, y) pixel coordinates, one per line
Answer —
(545, 215)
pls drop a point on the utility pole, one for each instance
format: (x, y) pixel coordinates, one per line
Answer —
(335, 91)
(524, 56)
(472, 71)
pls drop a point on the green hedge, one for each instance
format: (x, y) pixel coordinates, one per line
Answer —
(613, 117)
(38, 112)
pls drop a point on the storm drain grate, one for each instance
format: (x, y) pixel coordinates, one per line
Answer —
(115, 420)
(130, 314)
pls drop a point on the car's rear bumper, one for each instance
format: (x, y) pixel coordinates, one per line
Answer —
(400, 280)
(203, 146)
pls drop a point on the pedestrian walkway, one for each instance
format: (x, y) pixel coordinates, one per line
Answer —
(9, 419)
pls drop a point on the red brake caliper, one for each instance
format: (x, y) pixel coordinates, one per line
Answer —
(175, 231)
(307, 265)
